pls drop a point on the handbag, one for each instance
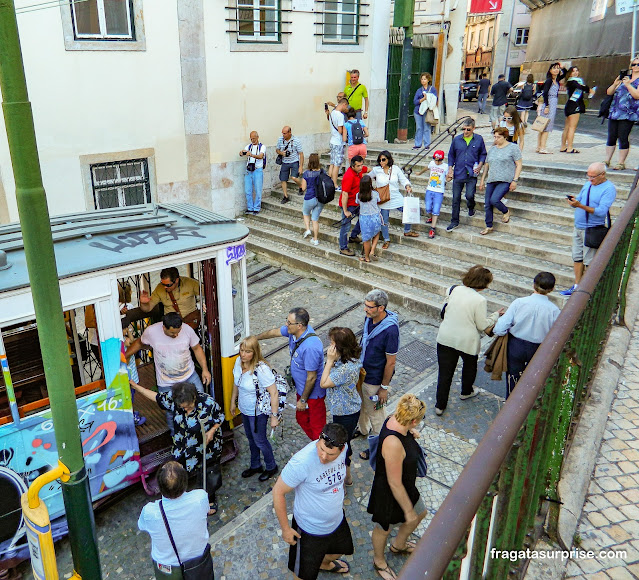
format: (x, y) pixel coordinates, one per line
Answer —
(411, 210)
(373, 447)
(360, 381)
(198, 568)
(595, 234)
(430, 118)
(280, 158)
(450, 291)
(384, 190)
(540, 123)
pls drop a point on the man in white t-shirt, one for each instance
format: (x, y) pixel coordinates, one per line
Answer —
(319, 533)
(255, 154)
(338, 139)
(171, 342)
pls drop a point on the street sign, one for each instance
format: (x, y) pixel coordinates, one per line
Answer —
(485, 6)
(624, 6)
(598, 10)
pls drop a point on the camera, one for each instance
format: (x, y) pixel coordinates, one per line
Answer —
(288, 153)
(250, 167)
(244, 152)
(623, 73)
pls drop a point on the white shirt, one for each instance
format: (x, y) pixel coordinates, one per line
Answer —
(246, 385)
(187, 519)
(336, 121)
(528, 318)
(395, 179)
(437, 179)
(255, 150)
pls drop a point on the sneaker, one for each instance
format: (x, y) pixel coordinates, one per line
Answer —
(248, 212)
(417, 147)
(451, 227)
(338, 190)
(347, 252)
(138, 419)
(471, 212)
(411, 234)
(431, 234)
(439, 412)
(429, 220)
(471, 395)
(315, 242)
(285, 200)
(306, 234)
(355, 240)
(569, 291)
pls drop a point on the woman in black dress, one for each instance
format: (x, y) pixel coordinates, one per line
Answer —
(394, 496)
(577, 91)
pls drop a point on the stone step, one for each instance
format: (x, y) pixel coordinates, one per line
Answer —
(410, 263)
(544, 253)
(536, 226)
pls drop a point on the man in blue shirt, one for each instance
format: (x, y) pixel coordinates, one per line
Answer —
(597, 195)
(307, 364)
(466, 157)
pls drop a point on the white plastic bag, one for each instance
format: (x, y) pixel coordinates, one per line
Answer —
(411, 210)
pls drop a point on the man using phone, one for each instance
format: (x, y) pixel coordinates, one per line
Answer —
(591, 208)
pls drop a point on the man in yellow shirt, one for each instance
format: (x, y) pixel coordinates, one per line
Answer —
(178, 294)
(357, 95)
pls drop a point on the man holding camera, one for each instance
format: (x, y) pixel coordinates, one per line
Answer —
(290, 159)
(255, 154)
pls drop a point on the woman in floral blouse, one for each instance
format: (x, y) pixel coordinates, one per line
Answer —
(340, 376)
(190, 408)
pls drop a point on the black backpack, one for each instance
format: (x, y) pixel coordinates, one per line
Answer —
(357, 131)
(527, 93)
(324, 188)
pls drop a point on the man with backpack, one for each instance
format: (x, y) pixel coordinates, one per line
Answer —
(338, 139)
(357, 132)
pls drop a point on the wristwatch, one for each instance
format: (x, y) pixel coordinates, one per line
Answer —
(303, 401)
(385, 387)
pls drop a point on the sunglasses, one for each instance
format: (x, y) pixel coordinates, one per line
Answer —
(167, 285)
(329, 442)
(383, 159)
(508, 118)
(635, 64)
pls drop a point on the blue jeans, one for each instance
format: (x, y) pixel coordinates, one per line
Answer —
(495, 191)
(458, 185)
(385, 217)
(345, 227)
(195, 379)
(253, 181)
(255, 429)
(481, 102)
(422, 131)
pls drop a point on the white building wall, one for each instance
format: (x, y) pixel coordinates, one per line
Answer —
(521, 19)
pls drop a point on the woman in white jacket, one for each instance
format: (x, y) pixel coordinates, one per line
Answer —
(465, 318)
(385, 173)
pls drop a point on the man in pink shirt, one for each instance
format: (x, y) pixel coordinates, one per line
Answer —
(171, 342)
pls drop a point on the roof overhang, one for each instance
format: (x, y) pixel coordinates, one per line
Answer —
(535, 4)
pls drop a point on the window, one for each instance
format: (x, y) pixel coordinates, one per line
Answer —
(522, 36)
(258, 20)
(471, 41)
(489, 42)
(102, 19)
(341, 22)
(121, 184)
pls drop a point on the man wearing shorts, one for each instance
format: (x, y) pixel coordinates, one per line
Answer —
(499, 92)
(338, 139)
(319, 534)
(591, 208)
(290, 148)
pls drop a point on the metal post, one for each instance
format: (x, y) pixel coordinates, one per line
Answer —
(40, 258)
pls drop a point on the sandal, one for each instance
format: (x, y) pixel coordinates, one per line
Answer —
(339, 567)
(607, 163)
(385, 245)
(365, 455)
(212, 508)
(573, 151)
(486, 231)
(619, 167)
(544, 152)
(564, 150)
(363, 259)
(388, 571)
(409, 549)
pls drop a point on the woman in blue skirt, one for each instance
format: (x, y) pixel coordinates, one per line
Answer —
(370, 217)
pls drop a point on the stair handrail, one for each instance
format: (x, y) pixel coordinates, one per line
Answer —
(451, 131)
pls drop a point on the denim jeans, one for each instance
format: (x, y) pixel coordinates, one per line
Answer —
(253, 181)
(385, 216)
(422, 131)
(458, 185)
(345, 227)
(495, 191)
(481, 102)
(258, 441)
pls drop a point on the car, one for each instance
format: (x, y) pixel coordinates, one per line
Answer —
(514, 95)
(468, 90)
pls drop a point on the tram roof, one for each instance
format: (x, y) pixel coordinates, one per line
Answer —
(102, 239)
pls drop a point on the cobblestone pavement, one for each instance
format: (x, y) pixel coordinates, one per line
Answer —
(610, 518)
(245, 535)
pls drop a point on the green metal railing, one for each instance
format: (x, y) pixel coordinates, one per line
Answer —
(510, 482)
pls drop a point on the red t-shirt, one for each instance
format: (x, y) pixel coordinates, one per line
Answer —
(350, 184)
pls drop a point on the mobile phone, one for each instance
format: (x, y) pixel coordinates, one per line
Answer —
(326, 106)
(623, 73)
(571, 197)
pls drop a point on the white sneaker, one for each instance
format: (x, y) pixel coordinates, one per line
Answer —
(471, 395)
(307, 233)
(315, 242)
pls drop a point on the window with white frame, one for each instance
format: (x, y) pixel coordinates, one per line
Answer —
(121, 183)
(102, 19)
(341, 22)
(521, 36)
(258, 20)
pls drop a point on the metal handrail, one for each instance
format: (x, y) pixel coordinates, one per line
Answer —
(451, 131)
(452, 520)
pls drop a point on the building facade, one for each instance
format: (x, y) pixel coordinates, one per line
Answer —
(139, 101)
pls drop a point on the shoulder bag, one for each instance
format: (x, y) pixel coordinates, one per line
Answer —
(384, 190)
(287, 372)
(198, 568)
(595, 234)
(280, 158)
(450, 291)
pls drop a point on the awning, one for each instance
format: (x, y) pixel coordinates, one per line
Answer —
(534, 4)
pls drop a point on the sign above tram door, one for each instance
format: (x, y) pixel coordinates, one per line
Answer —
(485, 6)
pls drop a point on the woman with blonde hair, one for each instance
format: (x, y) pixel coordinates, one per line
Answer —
(252, 375)
(394, 497)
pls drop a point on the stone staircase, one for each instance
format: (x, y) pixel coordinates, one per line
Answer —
(417, 272)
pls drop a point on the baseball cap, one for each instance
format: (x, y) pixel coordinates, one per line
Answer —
(439, 154)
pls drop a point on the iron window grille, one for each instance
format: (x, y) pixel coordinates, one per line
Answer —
(340, 21)
(121, 184)
(257, 20)
(521, 36)
(102, 19)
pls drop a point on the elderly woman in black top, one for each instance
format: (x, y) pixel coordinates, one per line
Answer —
(193, 412)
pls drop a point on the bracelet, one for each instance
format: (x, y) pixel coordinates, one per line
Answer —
(385, 387)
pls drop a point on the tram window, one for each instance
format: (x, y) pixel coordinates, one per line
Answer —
(239, 325)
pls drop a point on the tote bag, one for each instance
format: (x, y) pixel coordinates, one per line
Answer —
(411, 210)
(540, 123)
